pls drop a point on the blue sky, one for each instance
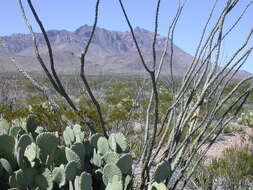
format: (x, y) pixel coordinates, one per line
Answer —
(66, 14)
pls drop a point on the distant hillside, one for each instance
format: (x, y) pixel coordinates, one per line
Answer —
(110, 51)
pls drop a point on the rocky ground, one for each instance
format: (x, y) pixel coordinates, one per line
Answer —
(235, 139)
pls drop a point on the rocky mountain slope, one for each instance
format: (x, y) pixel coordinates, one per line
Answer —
(110, 51)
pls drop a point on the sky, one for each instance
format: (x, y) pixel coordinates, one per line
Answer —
(69, 15)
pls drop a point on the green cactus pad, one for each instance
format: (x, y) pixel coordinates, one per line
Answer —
(7, 145)
(111, 158)
(13, 182)
(22, 163)
(59, 156)
(116, 184)
(4, 127)
(112, 142)
(77, 183)
(26, 177)
(94, 139)
(102, 146)
(68, 136)
(162, 172)
(24, 141)
(71, 170)
(127, 183)
(96, 159)
(118, 142)
(6, 165)
(125, 163)
(47, 142)
(14, 131)
(72, 156)
(44, 180)
(59, 176)
(83, 182)
(88, 150)
(157, 186)
(78, 148)
(77, 129)
(109, 171)
(31, 152)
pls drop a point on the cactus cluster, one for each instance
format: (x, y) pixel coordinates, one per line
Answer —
(246, 119)
(32, 158)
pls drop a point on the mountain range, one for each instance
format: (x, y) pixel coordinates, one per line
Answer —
(110, 52)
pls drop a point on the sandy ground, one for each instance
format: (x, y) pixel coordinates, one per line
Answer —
(236, 139)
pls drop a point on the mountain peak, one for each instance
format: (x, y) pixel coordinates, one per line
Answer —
(110, 51)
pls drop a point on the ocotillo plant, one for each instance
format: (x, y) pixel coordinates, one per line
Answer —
(199, 110)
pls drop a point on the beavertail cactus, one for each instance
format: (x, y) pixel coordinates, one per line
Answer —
(24, 141)
(109, 171)
(14, 131)
(157, 186)
(102, 146)
(44, 180)
(4, 127)
(77, 129)
(115, 184)
(31, 153)
(73, 156)
(59, 176)
(96, 159)
(68, 136)
(6, 165)
(162, 172)
(83, 182)
(26, 178)
(125, 164)
(47, 142)
(94, 139)
(118, 142)
(110, 157)
(71, 170)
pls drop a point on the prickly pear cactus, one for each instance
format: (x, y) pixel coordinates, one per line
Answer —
(31, 153)
(102, 146)
(71, 170)
(77, 129)
(109, 171)
(69, 136)
(125, 164)
(83, 182)
(4, 127)
(6, 165)
(47, 142)
(162, 172)
(157, 186)
(115, 184)
(118, 142)
(110, 157)
(44, 180)
(59, 176)
(24, 141)
(32, 158)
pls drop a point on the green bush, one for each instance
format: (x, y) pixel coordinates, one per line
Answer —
(233, 171)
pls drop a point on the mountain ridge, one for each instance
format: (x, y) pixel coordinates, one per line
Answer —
(110, 51)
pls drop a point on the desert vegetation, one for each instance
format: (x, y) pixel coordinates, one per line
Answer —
(149, 131)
